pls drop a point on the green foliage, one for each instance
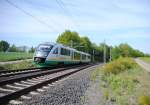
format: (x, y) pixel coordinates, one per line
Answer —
(101, 50)
(86, 43)
(68, 36)
(13, 48)
(120, 81)
(4, 45)
(11, 56)
(128, 85)
(73, 39)
(94, 74)
(119, 65)
(119, 88)
(144, 100)
(106, 94)
(124, 50)
(32, 50)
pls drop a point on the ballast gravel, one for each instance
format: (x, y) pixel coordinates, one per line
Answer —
(68, 91)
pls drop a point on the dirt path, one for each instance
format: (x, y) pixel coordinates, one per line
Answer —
(12, 62)
(143, 64)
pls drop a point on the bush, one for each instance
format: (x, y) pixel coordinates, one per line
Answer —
(144, 100)
(119, 65)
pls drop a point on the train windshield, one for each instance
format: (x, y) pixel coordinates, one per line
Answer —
(44, 47)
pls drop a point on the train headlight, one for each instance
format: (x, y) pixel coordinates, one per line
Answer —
(39, 60)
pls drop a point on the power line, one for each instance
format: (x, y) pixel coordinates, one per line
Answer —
(29, 14)
(62, 5)
(50, 18)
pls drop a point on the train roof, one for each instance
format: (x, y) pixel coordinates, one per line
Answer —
(52, 43)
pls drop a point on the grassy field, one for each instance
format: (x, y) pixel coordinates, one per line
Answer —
(20, 65)
(146, 59)
(11, 56)
(123, 82)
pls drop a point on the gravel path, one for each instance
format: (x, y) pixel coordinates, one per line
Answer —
(68, 91)
(143, 64)
(93, 95)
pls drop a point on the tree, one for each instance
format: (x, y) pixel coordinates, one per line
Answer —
(13, 48)
(116, 52)
(125, 50)
(86, 43)
(101, 50)
(68, 36)
(4, 45)
(32, 50)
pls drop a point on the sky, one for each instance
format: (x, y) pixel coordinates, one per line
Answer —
(30, 22)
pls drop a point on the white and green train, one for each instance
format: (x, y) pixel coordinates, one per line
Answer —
(48, 54)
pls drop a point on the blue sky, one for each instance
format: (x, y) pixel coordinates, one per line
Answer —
(116, 21)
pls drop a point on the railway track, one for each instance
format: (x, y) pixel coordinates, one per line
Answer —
(7, 73)
(15, 86)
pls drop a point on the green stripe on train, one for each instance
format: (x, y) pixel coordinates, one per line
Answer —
(53, 63)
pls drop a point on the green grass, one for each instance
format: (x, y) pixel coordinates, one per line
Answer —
(12, 56)
(20, 65)
(146, 59)
(124, 86)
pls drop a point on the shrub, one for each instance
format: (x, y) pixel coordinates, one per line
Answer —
(119, 65)
(144, 100)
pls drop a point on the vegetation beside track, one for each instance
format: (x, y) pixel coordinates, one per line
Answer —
(12, 56)
(123, 82)
(21, 65)
(146, 59)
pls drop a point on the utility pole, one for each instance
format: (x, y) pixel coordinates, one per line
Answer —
(71, 44)
(93, 55)
(110, 54)
(104, 57)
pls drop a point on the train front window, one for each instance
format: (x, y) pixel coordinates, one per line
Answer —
(44, 47)
(43, 50)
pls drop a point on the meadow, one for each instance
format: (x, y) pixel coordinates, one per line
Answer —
(12, 56)
(20, 65)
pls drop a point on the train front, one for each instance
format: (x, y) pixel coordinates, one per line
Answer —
(41, 54)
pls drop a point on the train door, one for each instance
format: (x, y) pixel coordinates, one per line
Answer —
(55, 53)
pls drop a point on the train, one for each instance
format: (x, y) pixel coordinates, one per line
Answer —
(51, 54)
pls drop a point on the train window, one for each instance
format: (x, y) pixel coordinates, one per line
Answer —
(62, 51)
(89, 57)
(65, 52)
(83, 57)
(55, 51)
(68, 52)
(76, 56)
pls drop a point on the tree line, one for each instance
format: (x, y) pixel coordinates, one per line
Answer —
(6, 47)
(74, 40)
(84, 44)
